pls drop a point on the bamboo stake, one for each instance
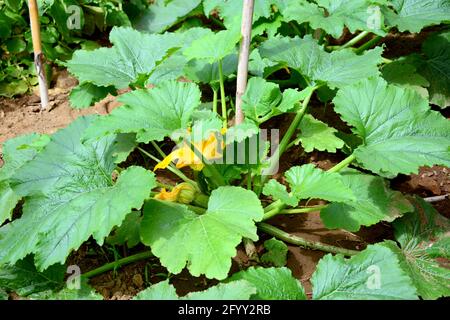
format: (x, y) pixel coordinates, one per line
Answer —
(246, 31)
(38, 55)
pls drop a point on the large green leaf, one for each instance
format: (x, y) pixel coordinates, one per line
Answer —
(237, 290)
(151, 113)
(333, 15)
(424, 235)
(161, 15)
(374, 202)
(399, 130)
(66, 204)
(306, 182)
(8, 201)
(413, 15)
(16, 152)
(213, 47)
(23, 278)
(315, 134)
(231, 10)
(373, 274)
(434, 66)
(272, 283)
(335, 69)
(87, 94)
(133, 54)
(173, 67)
(260, 98)
(128, 232)
(200, 71)
(263, 100)
(403, 73)
(85, 292)
(161, 291)
(205, 243)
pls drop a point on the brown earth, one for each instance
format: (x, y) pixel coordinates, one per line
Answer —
(23, 115)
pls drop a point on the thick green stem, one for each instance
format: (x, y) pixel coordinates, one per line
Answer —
(273, 212)
(368, 44)
(117, 264)
(344, 163)
(161, 153)
(303, 210)
(172, 169)
(196, 209)
(214, 100)
(222, 95)
(288, 135)
(355, 40)
(280, 234)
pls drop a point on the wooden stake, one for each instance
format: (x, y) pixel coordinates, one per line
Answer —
(38, 55)
(246, 31)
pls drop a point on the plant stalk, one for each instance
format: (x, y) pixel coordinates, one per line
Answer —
(222, 96)
(172, 169)
(280, 234)
(368, 44)
(287, 136)
(355, 40)
(303, 210)
(214, 100)
(344, 163)
(242, 73)
(38, 54)
(118, 263)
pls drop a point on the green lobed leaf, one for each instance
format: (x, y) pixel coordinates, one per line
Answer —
(173, 66)
(161, 15)
(306, 182)
(336, 69)
(424, 236)
(85, 292)
(16, 152)
(23, 278)
(237, 290)
(200, 71)
(435, 68)
(373, 274)
(160, 291)
(315, 134)
(414, 15)
(128, 232)
(400, 133)
(272, 283)
(276, 254)
(213, 47)
(333, 15)
(151, 113)
(231, 10)
(204, 243)
(133, 54)
(87, 94)
(260, 98)
(374, 202)
(404, 74)
(65, 205)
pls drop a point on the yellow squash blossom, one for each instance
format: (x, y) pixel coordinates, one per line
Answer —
(182, 193)
(185, 156)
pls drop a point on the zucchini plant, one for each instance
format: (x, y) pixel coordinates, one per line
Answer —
(77, 184)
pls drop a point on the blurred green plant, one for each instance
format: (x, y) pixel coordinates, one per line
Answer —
(66, 25)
